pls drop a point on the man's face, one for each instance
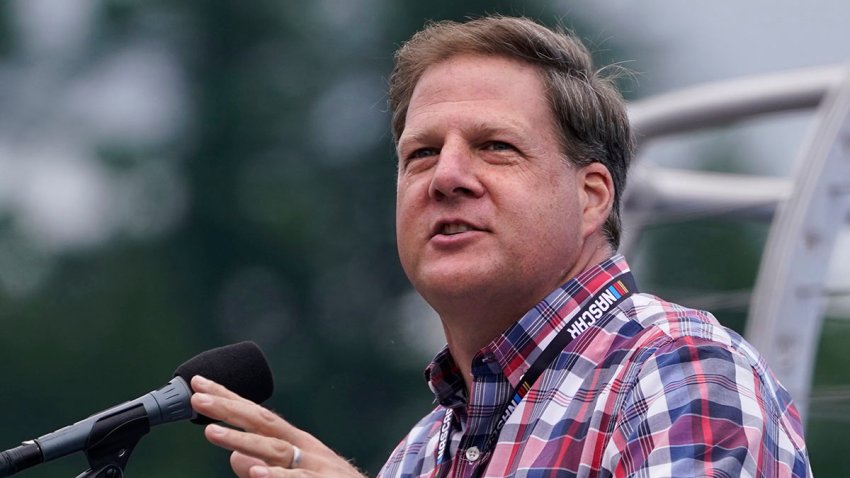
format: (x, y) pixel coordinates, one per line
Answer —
(486, 202)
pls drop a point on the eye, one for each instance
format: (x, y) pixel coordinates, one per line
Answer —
(422, 153)
(499, 146)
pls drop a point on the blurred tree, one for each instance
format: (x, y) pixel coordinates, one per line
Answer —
(254, 201)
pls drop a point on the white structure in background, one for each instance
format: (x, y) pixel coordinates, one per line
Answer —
(808, 209)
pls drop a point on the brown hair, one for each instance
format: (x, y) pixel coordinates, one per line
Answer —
(589, 112)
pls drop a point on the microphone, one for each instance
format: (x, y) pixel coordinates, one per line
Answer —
(241, 367)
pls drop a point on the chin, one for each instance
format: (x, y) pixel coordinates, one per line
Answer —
(454, 285)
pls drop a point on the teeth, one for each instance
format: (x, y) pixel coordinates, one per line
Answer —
(450, 229)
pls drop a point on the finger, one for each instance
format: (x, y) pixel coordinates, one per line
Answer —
(205, 385)
(221, 404)
(242, 463)
(260, 472)
(279, 472)
(271, 451)
(248, 416)
(241, 413)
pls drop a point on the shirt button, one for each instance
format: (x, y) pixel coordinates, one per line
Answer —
(473, 453)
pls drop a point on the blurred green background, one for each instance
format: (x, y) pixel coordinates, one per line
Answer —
(176, 176)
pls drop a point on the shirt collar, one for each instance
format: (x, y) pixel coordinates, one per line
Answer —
(445, 380)
(514, 351)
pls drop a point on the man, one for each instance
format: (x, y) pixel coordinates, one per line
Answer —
(512, 154)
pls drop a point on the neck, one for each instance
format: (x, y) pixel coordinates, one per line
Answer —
(467, 336)
(474, 321)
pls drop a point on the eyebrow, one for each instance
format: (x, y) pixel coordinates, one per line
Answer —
(486, 129)
(479, 127)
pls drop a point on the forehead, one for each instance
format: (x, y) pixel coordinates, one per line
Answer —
(478, 75)
(494, 87)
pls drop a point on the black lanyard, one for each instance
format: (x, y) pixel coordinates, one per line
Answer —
(594, 308)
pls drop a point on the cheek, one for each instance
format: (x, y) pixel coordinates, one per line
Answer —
(403, 207)
(405, 220)
(557, 221)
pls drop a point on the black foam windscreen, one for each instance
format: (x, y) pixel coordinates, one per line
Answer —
(241, 367)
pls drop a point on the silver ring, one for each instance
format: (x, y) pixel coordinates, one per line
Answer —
(296, 457)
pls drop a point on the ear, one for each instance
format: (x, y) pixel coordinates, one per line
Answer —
(596, 196)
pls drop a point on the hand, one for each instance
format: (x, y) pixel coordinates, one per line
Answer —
(268, 445)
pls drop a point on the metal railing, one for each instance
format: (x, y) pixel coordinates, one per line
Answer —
(807, 210)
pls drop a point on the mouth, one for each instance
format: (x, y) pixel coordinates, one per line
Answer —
(451, 228)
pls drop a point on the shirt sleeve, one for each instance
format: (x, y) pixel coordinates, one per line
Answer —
(700, 408)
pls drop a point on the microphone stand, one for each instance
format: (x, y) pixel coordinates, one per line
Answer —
(111, 441)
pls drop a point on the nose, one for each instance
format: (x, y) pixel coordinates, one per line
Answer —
(456, 173)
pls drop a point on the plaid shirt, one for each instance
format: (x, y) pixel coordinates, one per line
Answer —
(650, 389)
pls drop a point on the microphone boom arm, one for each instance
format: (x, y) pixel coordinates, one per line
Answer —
(112, 439)
(108, 437)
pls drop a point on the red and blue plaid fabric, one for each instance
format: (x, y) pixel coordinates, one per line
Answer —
(652, 389)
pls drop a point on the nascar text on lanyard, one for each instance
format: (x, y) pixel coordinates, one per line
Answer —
(594, 308)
